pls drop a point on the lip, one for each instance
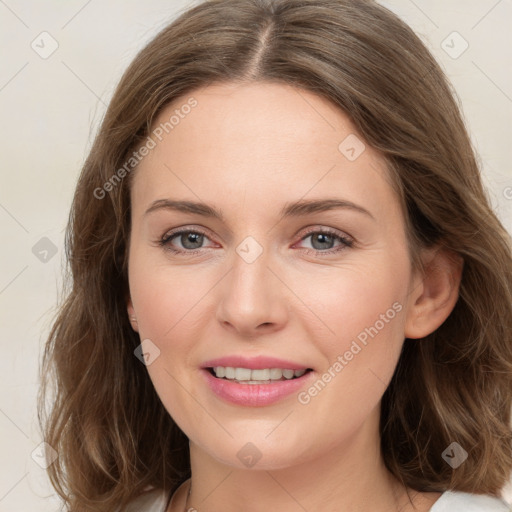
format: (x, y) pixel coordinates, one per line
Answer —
(254, 363)
(255, 395)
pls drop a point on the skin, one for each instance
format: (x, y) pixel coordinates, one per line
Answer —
(248, 150)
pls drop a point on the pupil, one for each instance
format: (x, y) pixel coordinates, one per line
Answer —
(324, 239)
(193, 238)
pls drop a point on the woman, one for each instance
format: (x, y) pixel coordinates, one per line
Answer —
(289, 291)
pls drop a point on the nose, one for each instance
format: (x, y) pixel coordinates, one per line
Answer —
(253, 300)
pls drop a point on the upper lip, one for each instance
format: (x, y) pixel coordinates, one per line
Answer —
(254, 363)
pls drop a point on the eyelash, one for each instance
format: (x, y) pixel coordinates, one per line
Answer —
(346, 242)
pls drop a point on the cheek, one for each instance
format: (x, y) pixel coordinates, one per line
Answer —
(357, 303)
(164, 298)
(167, 301)
(364, 311)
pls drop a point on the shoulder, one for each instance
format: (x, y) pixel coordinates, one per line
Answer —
(151, 501)
(455, 501)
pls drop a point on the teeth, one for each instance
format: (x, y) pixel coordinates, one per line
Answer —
(248, 376)
(242, 374)
(275, 373)
(260, 374)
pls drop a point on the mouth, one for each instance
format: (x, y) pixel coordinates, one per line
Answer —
(256, 387)
(250, 376)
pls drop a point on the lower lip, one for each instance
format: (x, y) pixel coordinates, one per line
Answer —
(254, 395)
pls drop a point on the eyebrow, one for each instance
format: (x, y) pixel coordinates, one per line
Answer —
(296, 209)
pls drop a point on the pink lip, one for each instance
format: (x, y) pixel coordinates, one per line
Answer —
(254, 363)
(255, 395)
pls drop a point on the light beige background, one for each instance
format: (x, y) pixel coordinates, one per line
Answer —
(50, 110)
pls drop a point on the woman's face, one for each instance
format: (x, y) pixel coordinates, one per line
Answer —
(275, 273)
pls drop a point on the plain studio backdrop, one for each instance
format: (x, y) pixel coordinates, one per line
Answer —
(60, 64)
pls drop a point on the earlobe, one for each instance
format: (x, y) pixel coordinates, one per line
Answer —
(131, 315)
(435, 293)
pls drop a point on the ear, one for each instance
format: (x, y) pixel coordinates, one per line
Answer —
(131, 315)
(434, 292)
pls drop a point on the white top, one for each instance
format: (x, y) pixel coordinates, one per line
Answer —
(449, 501)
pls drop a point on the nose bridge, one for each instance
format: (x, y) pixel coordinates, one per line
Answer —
(251, 295)
(249, 281)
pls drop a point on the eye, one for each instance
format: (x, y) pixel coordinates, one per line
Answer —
(322, 241)
(191, 240)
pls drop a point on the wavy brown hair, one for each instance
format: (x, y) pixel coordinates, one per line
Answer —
(112, 433)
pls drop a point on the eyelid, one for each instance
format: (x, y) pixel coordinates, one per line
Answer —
(315, 228)
(175, 231)
(302, 233)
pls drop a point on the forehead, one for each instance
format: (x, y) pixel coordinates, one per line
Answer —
(267, 141)
(256, 116)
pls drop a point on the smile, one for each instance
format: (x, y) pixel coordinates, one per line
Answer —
(240, 386)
